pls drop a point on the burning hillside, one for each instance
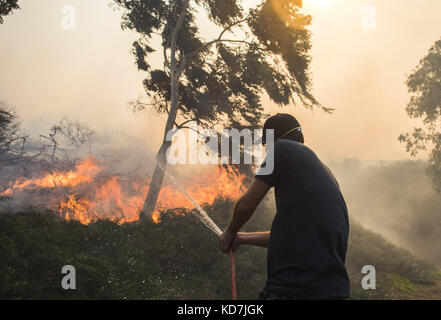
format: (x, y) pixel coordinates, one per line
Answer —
(88, 192)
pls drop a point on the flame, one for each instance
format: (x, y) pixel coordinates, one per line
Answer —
(86, 194)
(85, 172)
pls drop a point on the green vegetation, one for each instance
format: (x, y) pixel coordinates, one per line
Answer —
(176, 259)
(398, 271)
(424, 86)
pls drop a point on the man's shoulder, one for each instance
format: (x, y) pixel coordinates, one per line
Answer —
(292, 146)
(290, 143)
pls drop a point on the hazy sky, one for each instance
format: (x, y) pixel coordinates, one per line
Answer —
(88, 73)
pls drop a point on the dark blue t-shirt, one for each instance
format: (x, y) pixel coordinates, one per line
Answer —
(309, 234)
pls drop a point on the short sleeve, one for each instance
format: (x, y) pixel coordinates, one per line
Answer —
(274, 164)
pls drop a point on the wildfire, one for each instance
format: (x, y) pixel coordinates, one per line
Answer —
(82, 194)
(85, 172)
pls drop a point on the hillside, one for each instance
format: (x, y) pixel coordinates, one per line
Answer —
(176, 259)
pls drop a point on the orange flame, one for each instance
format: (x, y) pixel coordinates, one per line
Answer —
(85, 172)
(88, 199)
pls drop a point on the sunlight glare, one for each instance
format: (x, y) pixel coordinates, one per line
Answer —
(317, 4)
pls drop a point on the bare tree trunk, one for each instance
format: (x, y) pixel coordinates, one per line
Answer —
(161, 158)
(155, 184)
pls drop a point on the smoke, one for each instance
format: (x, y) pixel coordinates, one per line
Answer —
(87, 175)
(395, 199)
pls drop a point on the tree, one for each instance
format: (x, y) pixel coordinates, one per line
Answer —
(12, 140)
(425, 86)
(6, 7)
(222, 80)
(66, 133)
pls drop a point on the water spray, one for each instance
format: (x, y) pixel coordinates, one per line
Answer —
(209, 223)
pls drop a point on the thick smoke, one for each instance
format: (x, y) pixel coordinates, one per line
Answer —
(397, 200)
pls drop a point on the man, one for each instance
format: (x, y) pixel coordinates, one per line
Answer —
(309, 235)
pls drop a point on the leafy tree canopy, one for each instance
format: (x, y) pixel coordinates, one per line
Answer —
(6, 7)
(256, 51)
(425, 86)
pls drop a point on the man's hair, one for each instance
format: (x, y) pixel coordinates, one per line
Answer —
(285, 126)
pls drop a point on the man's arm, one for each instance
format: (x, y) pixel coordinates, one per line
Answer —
(260, 239)
(242, 212)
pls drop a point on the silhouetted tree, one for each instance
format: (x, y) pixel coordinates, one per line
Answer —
(425, 86)
(65, 134)
(6, 7)
(12, 140)
(222, 80)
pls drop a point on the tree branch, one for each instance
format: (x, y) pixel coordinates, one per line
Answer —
(175, 34)
(218, 39)
(137, 105)
(166, 44)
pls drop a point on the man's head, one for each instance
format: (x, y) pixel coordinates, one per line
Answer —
(285, 126)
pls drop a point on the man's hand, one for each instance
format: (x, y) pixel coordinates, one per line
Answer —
(225, 241)
(238, 240)
(242, 211)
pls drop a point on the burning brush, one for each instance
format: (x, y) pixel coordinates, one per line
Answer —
(89, 192)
